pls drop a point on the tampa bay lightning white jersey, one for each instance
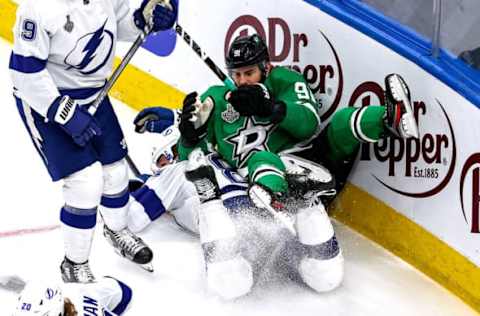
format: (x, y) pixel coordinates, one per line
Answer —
(169, 190)
(107, 297)
(66, 47)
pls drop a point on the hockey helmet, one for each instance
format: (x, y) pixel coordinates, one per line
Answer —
(247, 51)
(38, 298)
(167, 149)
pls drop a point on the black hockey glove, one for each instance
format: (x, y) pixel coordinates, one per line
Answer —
(249, 100)
(190, 135)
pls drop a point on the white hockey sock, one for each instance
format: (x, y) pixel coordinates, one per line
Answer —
(114, 210)
(322, 264)
(78, 226)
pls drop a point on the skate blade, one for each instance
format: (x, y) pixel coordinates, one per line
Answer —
(147, 266)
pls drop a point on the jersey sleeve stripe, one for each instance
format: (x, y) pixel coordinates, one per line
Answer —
(150, 201)
(27, 64)
(232, 187)
(125, 300)
(81, 93)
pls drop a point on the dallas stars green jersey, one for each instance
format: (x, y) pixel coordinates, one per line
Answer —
(239, 139)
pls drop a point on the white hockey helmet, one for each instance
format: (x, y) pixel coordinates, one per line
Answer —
(42, 299)
(166, 152)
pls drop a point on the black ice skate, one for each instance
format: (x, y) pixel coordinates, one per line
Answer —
(73, 272)
(399, 118)
(130, 246)
(202, 176)
(307, 181)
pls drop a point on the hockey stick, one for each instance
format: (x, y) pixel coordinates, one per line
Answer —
(208, 61)
(262, 199)
(118, 71)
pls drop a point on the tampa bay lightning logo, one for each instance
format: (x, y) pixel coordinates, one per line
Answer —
(91, 52)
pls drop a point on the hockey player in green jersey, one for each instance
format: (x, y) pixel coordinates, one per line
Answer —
(273, 110)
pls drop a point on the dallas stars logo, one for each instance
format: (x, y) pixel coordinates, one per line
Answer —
(250, 138)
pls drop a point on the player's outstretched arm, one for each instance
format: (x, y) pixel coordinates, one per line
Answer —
(156, 15)
(155, 119)
(151, 16)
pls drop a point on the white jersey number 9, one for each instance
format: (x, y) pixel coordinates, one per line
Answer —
(303, 93)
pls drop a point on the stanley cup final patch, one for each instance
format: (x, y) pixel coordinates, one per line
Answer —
(230, 115)
(68, 25)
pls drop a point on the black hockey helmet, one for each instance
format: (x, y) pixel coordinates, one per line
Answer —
(247, 51)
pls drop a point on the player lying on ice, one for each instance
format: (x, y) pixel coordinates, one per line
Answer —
(273, 111)
(106, 297)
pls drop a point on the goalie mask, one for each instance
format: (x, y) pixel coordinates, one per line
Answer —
(166, 153)
(39, 298)
(247, 51)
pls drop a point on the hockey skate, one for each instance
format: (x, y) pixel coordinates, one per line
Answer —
(202, 176)
(399, 119)
(307, 180)
(130, 246)
(73, 272)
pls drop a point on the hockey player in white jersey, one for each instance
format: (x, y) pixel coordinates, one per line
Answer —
(216, 212)
(62, 55)
(107, 297)
(167, 190)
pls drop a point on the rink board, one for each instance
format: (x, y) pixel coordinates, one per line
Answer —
(420, 199)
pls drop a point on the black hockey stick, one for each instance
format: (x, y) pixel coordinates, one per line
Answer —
(197, 49)
(118, 71)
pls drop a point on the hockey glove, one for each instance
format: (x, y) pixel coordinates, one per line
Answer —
(156, 15)
(249, 100)
(154, 120)
(191, 136)
(74, 120)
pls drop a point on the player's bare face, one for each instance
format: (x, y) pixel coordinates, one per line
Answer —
(246, 75)
(162, 161)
